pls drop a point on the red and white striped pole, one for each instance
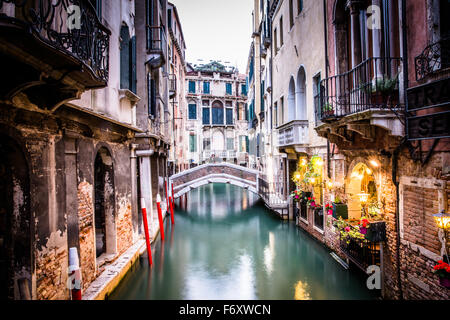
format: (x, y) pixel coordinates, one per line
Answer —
(147, 237)
(171, 210)
(74, 281)
(161, 224)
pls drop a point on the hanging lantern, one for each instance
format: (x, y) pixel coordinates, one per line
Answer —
(442, 220)
(363, 197)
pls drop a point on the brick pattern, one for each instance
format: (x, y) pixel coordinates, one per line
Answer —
(50, 270)
(87, 238)
(124, 226)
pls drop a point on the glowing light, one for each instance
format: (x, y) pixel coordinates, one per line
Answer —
(313, 180)
(330, 184)
(301, 291)
(303, 162)
(319, 162)
(442, 220)
(297, 176)
(374, 163)
(363, 197)
(368, 171)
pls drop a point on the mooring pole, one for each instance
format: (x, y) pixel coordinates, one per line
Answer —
(75, 274)
(161, 223)
(167, 196)
(147, 237)
(171, 210)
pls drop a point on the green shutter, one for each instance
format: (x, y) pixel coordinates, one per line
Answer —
(133, 64)
(125, 58)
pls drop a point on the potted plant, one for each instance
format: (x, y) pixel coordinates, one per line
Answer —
(312, 203)
(442, 270)
(340, 209)
(327, 110)
(297, 195)
(329, 209)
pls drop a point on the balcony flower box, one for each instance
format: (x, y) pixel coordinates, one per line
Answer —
(442, 269)
(376, 232)
(340, 210)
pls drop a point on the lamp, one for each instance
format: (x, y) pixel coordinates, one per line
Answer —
(442, 220)
(363, 197)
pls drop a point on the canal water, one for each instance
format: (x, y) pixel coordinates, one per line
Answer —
(226, 245)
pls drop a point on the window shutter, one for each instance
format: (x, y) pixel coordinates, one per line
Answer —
(133, 64)
(192, 111)
(229, 116)
(205, 115)
(191, 86)
(151, 89)
(124, 58)
(247, 144)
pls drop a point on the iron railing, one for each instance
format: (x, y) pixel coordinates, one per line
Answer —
(373, 84)
(361, 252)
(71, 26)
(434, 58)
(272, 193)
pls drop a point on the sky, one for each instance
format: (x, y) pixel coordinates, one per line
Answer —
(216, 30)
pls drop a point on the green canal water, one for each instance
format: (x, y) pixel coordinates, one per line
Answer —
(226, 245)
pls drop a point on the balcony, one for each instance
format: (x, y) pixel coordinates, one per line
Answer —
(172, 85)
(211, 155)
(156, 46)
(434, 59)
(52, 57)
(293, 133)
(371, 85)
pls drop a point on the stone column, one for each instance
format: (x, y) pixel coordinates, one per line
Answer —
(134, 199)
(71, 187)
(376, 40)
(355, 35)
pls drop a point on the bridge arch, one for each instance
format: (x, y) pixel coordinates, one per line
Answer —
(196, 177)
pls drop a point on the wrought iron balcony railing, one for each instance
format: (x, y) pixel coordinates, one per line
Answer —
(71, 26)
(434, 58)
(373, 84)
(209, 155)
(293, 133)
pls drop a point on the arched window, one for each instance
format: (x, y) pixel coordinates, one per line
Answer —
(217, 112)
(300, 95)
(291, 100)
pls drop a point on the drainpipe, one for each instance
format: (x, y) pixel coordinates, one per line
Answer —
(398, 149)
(325, 31)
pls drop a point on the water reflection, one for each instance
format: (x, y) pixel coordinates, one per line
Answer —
(226, 245)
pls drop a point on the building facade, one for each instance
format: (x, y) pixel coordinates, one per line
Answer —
(351, 118)
(84, 135)
(216, 124)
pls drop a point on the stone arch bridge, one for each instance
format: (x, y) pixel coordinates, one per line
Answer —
(243, 177)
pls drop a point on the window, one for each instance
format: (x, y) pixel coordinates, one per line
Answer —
(229, 89)
(244, 89)
(275, 40)
(291, 13)
(281, 31)
(192, 111)
(206, 87)
(317, 100)
(299, 6)
(193, 143)
(127, 60)
(206, 144)
(205, 103)
(191, 86)
(217, 113)
(229, 115)
(275, 114)
(242, 144)
(151, 95)
(318, 218)
(282, 111)
(230, 144)
(206, 116)
(97, 4)
(149, 22)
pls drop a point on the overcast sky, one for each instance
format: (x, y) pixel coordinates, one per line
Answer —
(216, 30)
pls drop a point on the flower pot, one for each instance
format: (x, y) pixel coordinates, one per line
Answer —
(340, 210)
(363, 230)
(307, 195)
(376, 232)
(445, 282)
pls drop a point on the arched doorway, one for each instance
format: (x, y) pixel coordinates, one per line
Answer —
(105, 229)
(15, 222)
(291, 100)
(300, 93)
(361, 181)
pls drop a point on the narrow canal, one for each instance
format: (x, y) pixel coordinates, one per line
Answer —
(226, 245)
